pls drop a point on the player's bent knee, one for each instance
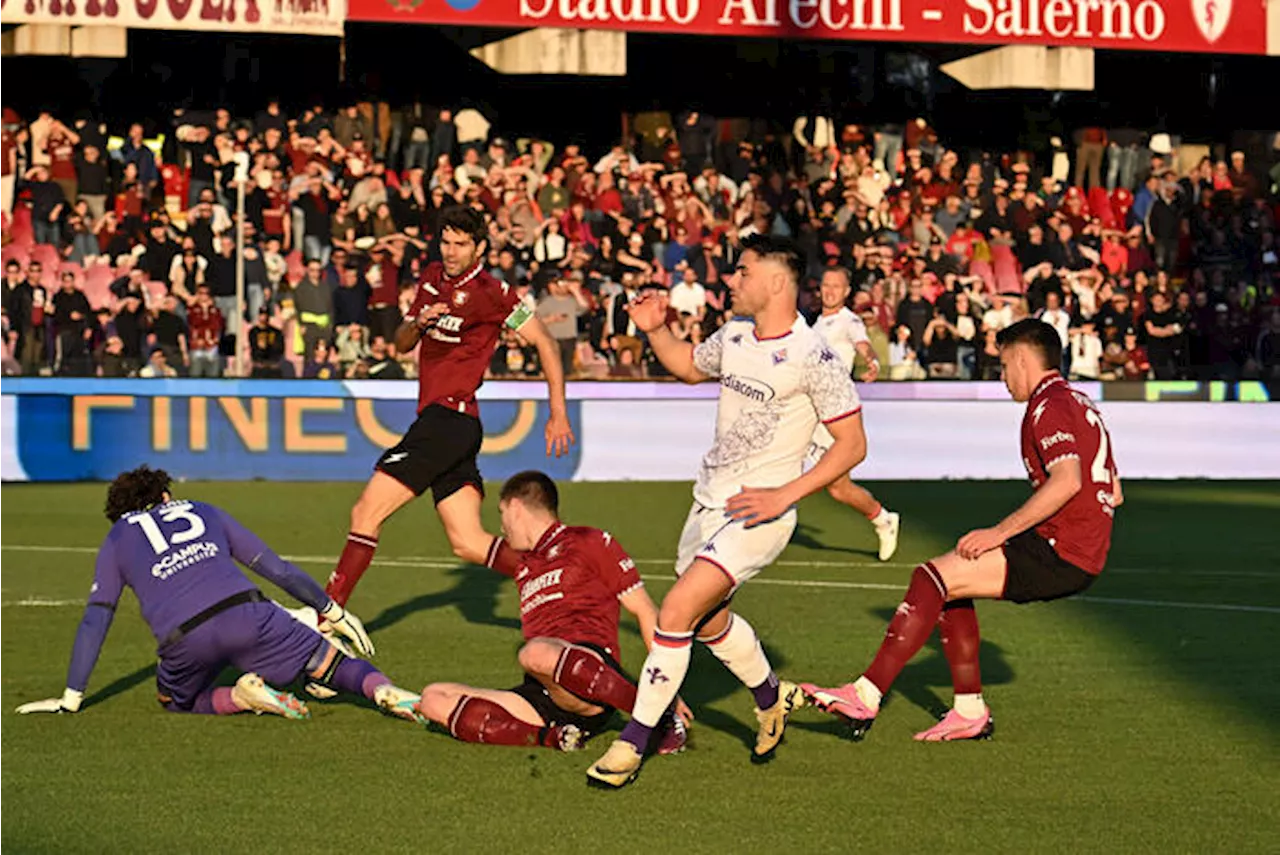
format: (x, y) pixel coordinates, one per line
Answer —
(438, 701)
(539, 657)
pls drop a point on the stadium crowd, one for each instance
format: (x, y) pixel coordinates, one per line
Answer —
(1154, 259)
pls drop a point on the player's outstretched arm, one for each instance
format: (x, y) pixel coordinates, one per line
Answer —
(873, 364)
(253, 553)
(1065, 480)
(649, 311)
(559, 431)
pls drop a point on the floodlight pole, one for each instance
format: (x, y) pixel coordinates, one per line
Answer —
(242, 175)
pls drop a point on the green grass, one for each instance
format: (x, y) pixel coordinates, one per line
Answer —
(1122, 727)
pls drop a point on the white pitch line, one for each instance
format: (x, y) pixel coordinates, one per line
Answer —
(445, 563)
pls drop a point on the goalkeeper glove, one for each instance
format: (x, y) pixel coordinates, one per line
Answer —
(347, 625)
(68, 703)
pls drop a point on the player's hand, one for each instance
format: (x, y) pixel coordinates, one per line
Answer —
(68, 703)
(757, 505)
(429, 315)
(347, 625)
(683, 712)
(559, 434)
(649, 311)
(872, 372)
(978, 542)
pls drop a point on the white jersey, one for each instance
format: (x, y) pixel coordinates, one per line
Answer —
(773, 393)
(843, 331)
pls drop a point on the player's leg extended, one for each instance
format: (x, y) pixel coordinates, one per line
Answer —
(885, 521)
(968, 717)
(699, 590)
(382, 497)
(932, 585)
(492, 717)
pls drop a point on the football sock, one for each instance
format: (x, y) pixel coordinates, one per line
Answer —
(869, 692)
(912, 624)
(503, 558)
(958, 627)
(969, 706)
(481, 720)
(879, 516)
(738, 647)
(585, 673)
(355, 559)
(660, 678)
(216, 701)
(357, 677)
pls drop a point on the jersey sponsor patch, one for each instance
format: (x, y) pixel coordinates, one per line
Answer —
(519, 315)
(1052, 440)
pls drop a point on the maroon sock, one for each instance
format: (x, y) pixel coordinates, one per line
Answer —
(480, 720)
(910, 628)
(503, 558)
(585, 673)
(356, 556)
(960, 641)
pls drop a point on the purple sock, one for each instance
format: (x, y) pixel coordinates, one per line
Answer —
(215, 702)
(766, 694)
(637, 734)
(357, 677)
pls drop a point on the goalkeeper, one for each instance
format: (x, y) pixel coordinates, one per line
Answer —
(206, 615)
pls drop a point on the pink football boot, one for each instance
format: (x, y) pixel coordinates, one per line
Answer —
(845, 703)
(955, 726)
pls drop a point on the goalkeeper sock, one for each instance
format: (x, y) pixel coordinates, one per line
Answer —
(216, 701)
(503, 558)
(481, 720)
(660, 678)
(585, 673)
(356, 677)
(912, 624)
(738, 647)
(958, 627)
(355, 559)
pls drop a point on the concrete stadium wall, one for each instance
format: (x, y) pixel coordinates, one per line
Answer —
(72, 430)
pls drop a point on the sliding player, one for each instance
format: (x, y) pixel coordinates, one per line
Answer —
(1053, 546)
(777, 380)
(206, 615)
(572, 580)
(847, 335)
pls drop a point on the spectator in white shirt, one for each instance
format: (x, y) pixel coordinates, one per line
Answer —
(688, 296)
(1054, 315)
(1086, 352)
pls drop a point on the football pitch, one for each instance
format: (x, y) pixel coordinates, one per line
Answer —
(1139, 718)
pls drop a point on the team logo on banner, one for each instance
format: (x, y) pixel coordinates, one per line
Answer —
(1211, 17)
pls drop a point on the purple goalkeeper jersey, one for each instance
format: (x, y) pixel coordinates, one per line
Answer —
(179, 558)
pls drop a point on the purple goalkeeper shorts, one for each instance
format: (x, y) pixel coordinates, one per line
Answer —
(258, 637)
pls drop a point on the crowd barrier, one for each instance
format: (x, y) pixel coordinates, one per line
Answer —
(77, 430)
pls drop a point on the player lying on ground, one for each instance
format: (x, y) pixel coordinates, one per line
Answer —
(572, 580)
(847, 335)
(455, 321)
(206, 615)
(1053, 546)
(778, 378)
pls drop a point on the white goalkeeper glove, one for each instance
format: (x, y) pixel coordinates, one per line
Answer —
(68, 703)
(347, 625)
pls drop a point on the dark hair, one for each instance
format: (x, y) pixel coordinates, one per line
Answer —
(533, 488)
(136, 490)
(1037, 334)
(465, 220)
(779, 249)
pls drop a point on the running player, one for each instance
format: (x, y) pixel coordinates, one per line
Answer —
(457, 316)
(847, 335)
(777, 380)
(572, 580)
(1053, 546)
(207, 615)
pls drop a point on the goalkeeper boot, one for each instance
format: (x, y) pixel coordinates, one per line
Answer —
(954, 727)
(846, 703)
(888, 534)
(250, 692)
(398, 702)
(773, 721)
(618, 767)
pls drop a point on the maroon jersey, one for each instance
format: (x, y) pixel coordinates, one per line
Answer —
(455, 352)
(570, 584)
(1061, 423)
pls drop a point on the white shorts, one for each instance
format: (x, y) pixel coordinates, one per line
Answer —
(738, 551)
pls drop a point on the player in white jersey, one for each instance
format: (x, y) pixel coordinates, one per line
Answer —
(847, 335)
(778, 379)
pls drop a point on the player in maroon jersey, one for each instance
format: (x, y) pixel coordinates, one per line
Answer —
(572, 580)
(1053, 546)
(455, 321)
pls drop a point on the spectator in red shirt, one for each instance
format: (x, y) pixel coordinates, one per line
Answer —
(205, 324)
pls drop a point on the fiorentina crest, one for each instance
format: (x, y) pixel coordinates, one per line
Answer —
(1211, 17)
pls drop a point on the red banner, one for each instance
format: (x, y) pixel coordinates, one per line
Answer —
(301, 17)
(1208, 26)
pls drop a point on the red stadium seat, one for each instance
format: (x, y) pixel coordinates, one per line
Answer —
(47, 255)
